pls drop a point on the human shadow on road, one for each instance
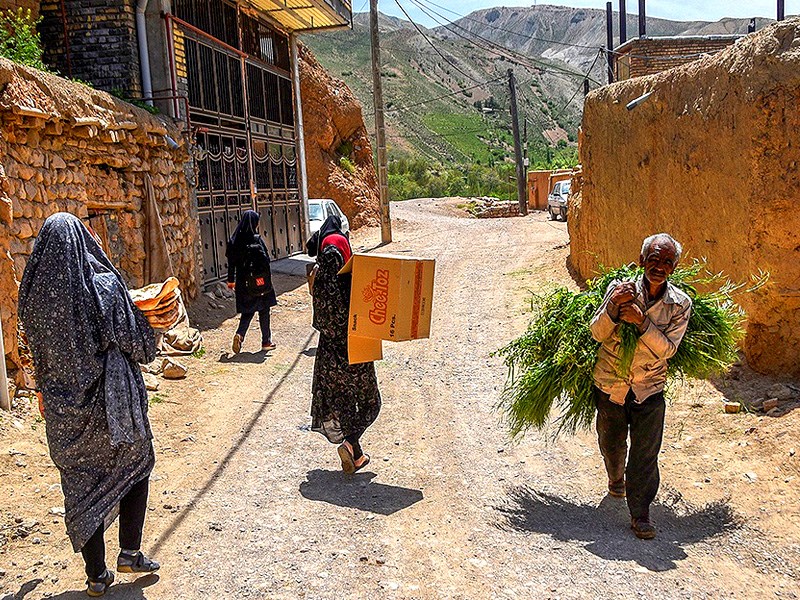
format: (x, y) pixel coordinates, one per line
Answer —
(25, 589)
(357, 491)
(606, 528)
(123, 591)
(309, 351)
(255, 358)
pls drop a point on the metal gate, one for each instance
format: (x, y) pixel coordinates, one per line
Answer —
(240, 96)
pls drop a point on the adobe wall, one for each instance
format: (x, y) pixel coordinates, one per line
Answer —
(713, 157)
(67, 147)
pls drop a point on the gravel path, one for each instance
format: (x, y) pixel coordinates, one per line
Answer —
(247, 502)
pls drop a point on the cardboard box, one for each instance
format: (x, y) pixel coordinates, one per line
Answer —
(390, 299)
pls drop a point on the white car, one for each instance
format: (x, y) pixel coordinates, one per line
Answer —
(320, 209)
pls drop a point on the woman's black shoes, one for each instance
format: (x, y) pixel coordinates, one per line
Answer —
(97, 587)
(136, 563)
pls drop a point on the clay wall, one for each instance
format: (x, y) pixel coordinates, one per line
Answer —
(712, 157)
(67, 147)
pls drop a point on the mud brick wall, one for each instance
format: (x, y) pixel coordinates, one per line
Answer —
(648, 56)
(713, 157)
(67, 147)
(101, 43)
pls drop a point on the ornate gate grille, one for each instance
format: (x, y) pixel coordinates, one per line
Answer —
(240, 95)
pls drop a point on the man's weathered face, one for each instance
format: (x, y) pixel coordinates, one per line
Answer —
(660, 262)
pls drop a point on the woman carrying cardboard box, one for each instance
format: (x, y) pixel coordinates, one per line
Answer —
(345, 398)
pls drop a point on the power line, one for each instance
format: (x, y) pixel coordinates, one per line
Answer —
(497, 49)
(434, 99)
(525, 35)
(425, 37)
(571, 98)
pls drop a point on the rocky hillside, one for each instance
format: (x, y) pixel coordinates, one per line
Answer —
(338, 151)
(451, 102)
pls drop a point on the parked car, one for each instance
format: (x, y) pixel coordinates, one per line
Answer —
(320, 209)
(557, 200)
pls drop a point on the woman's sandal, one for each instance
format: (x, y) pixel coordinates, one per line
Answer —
(363, 464)
(97, 587)
(136, 563)
(348, 462)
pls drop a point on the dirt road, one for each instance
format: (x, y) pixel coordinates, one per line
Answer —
(246, 502)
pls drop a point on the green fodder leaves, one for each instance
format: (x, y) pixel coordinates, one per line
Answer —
(551, 365)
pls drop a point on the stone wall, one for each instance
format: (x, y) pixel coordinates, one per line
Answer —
(713, 157)
(101, 43)
(648, 56)
(67, 147)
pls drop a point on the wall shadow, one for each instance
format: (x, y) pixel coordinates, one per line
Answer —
(604, 530)
(357, 491)
(123, 591)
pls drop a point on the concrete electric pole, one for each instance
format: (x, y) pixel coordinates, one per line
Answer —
(522, 180)
(380, 132)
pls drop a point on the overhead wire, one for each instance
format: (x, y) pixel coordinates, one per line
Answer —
(571, 98)
(449, 94)
(496, 28)
(494, 48)
(430, 43)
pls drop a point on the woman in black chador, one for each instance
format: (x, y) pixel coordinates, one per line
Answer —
(250, 276)
(86, 337)
(345, 398)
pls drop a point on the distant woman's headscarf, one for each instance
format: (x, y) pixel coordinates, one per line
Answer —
(333, 224)
(245, 234)
(85, 333)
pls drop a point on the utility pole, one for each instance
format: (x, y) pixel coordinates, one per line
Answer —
(522, 180)
(781, 10)
(610, 41)
(525, 162)
(380, 131)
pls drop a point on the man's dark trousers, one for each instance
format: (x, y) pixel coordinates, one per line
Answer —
(646, 424)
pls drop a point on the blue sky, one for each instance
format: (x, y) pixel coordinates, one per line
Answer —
(678, 10)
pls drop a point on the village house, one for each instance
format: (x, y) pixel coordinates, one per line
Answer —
(228, 71)
(223, 79)
(651, 55)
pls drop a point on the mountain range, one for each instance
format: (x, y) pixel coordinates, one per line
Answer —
(446, 89)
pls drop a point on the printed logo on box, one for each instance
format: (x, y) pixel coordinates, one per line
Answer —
(377, 294)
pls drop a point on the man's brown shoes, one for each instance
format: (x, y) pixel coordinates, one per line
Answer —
(643, 528)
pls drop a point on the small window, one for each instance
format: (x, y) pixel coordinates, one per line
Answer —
(557, 189)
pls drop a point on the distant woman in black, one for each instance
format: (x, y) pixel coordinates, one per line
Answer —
(249, 275)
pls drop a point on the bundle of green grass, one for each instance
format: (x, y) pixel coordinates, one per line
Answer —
(553, 361)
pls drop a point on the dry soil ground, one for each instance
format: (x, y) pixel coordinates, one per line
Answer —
(246, 502)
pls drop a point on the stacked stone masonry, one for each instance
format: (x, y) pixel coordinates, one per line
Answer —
(649, 56)
(101, 43)
(67, 147)
(713, 157)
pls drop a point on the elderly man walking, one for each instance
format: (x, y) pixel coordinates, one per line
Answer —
(633, 402)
